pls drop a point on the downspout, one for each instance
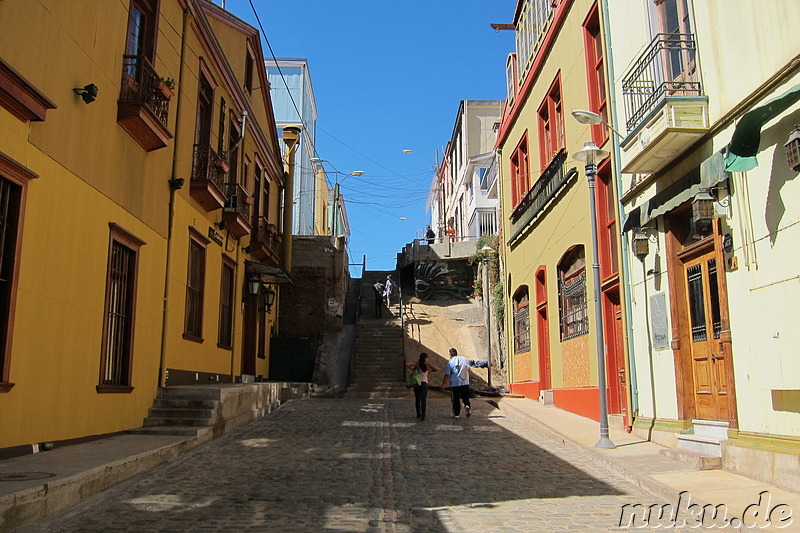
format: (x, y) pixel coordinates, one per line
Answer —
(291, 136)
(175, 184)
(626, 279)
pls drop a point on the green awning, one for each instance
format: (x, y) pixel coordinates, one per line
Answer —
(744, 143)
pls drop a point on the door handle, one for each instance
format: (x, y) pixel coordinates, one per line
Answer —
(621, 375)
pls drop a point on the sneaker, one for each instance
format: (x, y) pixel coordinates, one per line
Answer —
(469, 410)
(453, 416)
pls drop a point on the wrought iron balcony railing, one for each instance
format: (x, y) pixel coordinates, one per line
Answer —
(206, 167)
(141, 85)
(665, 68)
(266, 235)
(545, 188)
(238, 201)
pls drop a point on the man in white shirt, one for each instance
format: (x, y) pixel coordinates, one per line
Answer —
(457, 370)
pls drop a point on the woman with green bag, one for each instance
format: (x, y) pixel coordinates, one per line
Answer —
(423, 368)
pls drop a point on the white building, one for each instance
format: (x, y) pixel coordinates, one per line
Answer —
(705, 94)
(294, 105)
(461, 206)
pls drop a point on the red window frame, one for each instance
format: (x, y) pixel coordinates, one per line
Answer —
(520, 172)
(551, 124)
(606, 222)
(596, 74)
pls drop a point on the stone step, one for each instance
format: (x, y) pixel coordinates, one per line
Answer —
(712, 428)
(179, 403)
(158, 412)
(172, 421)
(704, 444)
(698, 460)
(168, 430)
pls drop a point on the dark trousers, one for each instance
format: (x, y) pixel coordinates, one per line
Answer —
(378, 305)
(460, 393)
(421, 399)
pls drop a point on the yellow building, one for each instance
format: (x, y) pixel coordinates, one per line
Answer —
(551, 324)
(141, 178)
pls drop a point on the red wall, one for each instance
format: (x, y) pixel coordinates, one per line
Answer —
(584, 401)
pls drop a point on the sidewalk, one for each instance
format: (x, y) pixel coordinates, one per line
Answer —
(35, 486)
(641, 463)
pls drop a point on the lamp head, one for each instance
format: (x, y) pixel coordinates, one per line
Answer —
(357, 173)
(587, 117)
(88, 92)
(590, 154)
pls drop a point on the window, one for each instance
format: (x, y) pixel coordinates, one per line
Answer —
(532, 25)
(595, 70)
(13, 185)
(248, 71)
(141, 34)
(205, 104)
(522, 325)
(119, 317)
(223, 110)
(226, 304)
(606, 222)
(572, 294)
(511, 79)
(551, 124)
(520, 173)
(195, 287)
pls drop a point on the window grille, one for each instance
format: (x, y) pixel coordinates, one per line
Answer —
(574, 314)
(194, 290)
(119, 325)
(226, 306)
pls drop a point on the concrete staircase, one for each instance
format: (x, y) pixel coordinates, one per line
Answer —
(378, 361)
(195, 410)
(703, 446)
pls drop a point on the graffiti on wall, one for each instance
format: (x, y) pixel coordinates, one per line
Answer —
(443, 280)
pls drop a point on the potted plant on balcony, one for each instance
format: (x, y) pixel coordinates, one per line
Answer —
(166, 86)
(222, 162)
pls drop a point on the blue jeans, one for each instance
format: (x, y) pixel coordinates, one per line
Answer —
(460, 393)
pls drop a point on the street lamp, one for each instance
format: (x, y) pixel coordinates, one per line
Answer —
(589, 117)
(485, 251)
(591, 155)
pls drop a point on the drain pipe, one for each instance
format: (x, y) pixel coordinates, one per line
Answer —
(626, 277)
(175, 183)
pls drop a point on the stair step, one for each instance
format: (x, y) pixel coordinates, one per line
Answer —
(703, 444)
(713, 428)
(164, 421)
(179, 403)
(157, 412)
(698, 460)
(166, 430)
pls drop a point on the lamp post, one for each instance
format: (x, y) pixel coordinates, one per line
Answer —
(485, 251)
(590, 155)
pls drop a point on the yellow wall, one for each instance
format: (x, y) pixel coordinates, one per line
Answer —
(93, 173)
(565, 223)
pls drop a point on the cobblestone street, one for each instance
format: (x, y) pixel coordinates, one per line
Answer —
(367, 465)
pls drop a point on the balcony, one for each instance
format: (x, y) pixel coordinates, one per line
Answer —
(265, 243)
(552, 180)
(143, 107)
(665, 106)
(236, 213)
(489, 180)
(208, 178)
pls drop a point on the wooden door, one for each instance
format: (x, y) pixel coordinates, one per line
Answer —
(543, 345)
(616, 375)
(709, 356)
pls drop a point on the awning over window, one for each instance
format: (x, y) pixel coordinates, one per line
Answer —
(743, 147)
(280, 275)
(709, 173)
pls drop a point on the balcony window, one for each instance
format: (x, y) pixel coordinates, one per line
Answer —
(551, 124)
(595, 70)
(226, 293)
(520, 172)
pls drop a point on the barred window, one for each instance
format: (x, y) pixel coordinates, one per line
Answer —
(195, 286)
(522, 324)
(116, 361)
(572, 295)
(10, 194)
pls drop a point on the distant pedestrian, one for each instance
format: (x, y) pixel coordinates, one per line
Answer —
(389, 290)
(378, 290)
(457, 370)
(421, 390)
(430, 236)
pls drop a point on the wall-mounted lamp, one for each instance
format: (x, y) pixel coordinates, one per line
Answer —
(269, 297)
(253, 285)
(703, 210)
(641, 244)
(793, 149)
(87, 92)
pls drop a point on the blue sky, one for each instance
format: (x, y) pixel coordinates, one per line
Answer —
(388, 77)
